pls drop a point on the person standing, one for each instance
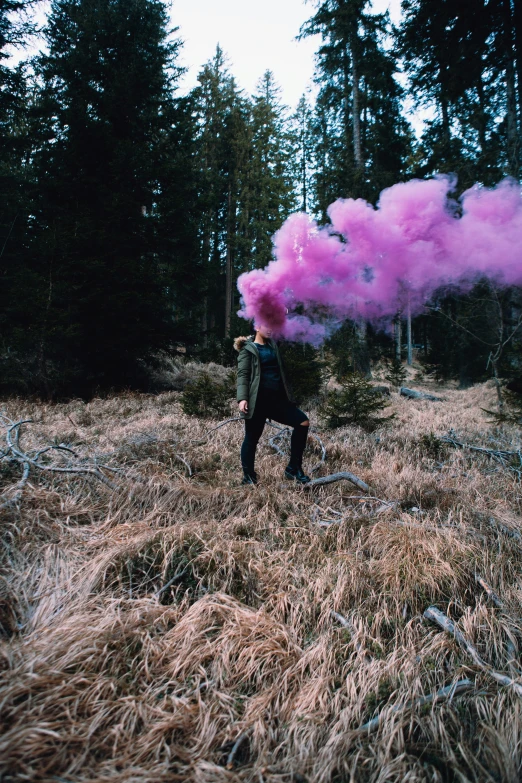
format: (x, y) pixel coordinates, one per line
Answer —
(262, 393)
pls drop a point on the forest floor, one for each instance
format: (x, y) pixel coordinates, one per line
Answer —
(149, 626)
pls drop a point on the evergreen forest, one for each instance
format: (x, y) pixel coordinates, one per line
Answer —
(129, 208)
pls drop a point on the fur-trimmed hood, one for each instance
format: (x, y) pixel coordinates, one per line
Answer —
(240, 342)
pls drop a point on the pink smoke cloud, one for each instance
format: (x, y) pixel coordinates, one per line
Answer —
(371, 261)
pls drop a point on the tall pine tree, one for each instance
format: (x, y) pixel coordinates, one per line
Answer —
(104, 108)
(363, 141)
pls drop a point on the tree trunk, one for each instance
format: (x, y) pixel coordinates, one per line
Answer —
(410, 346)
(398, 336)
(446, 133)
(346, 97)
(482, 118)
(228, 270)
(356, 108)
(511, 101)
(517, 18)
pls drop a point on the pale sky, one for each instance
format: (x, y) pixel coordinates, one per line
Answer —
(256, 36)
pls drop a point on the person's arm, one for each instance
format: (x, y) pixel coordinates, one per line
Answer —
(244, 361)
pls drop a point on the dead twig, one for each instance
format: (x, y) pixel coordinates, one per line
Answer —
(184, 461)
(350, 627)
(176, 578)
(457, 689)
(503, 529)
(227, 421)
(236, 746)
(444, 622)
(489, 590)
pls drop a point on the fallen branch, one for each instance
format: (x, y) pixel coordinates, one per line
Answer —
(457, 689)
(15, 454)
(490, 592)
(176, 578)
(344, 476)
(350, 627)
(184, 461)
(444, 622)
(227, 421)
(503, 529)
(237, 744)
(499, 455)
(417, 395)
(283, 431)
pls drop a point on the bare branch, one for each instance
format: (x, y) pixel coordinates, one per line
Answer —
(442, 620)
(489, 590)
(237, 744)
(457, 689)
(344, 476)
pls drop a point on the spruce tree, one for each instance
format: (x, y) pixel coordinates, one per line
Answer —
(272, 184)
(222, 143)
(104, 109)
(16, 142)
(463, 66)
(363, 141)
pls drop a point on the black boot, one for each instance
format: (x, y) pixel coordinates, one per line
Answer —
(296, 474)
(249, 477)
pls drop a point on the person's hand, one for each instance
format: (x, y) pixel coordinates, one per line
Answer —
(243, 406)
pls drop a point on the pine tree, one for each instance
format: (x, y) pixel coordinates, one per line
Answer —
(363, 142)
(223, 143)
(302, 141)
(272, 184)
(463, 66)
(104, 109)
(357, 402)
(16, 144)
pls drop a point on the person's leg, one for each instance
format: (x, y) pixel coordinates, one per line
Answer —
(289, 414)
(253, 431)
(298, 444)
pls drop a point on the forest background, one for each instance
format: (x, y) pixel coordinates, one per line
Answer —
(128, 210)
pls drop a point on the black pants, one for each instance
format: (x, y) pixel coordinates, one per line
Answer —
(272, 405)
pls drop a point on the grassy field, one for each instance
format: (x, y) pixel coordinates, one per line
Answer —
(108, 674)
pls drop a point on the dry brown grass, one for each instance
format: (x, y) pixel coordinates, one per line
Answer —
(105, 680)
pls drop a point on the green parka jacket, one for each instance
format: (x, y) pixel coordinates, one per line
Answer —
(249, 372)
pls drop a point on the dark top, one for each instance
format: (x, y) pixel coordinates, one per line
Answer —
(270, 374)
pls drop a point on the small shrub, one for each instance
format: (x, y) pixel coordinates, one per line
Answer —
(207, 397)
(395, 372)
(355, 403)
(512, 413)
(433, 447)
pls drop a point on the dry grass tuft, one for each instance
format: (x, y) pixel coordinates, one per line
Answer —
(146, 629)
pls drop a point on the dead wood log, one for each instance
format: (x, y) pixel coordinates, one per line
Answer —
(449, 692)
(444, 622)
(343, 476)
(493, 597)
(418, 395)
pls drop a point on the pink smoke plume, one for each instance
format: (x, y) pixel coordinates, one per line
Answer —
(370, 263)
